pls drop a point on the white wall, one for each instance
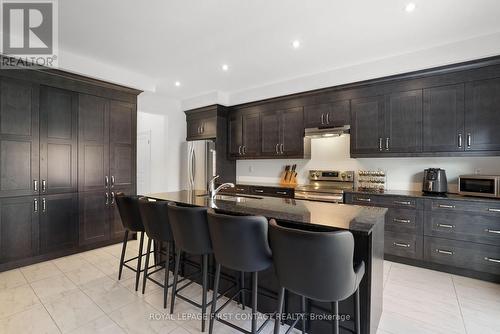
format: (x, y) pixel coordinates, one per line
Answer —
(333, 153)
(163, 117)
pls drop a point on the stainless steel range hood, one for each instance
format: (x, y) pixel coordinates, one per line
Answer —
(327, 132)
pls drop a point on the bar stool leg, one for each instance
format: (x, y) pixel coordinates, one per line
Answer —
(214, 299)
(254, 301)
(145, 278)
(277, 321)
(303, 310)
(357, 327)
(167, 273)
(335, 322)
(242, 294)
(204, 295)
(122, 257)
(176, 274)
(139, 262)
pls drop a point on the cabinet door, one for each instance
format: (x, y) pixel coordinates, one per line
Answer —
(315, 115)
(18, 228)
(339, 114)
(193, 128)
(58, 140)
(251, 134)
(235, 135)
(122, 144)
(93, 143)
(443, 119)
(115, 222)
(19, 138)
(58, 222)
(292, 131)
(482, 115)
(209, 127)
(367, 125)
(94, 217)
(403, 122)
(270, 132)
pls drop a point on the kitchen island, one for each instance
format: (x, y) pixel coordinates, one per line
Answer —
(366, 224)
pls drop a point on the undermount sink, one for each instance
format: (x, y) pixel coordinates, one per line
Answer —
(235, 198)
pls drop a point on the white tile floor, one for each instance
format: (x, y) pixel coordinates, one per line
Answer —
(81, 294)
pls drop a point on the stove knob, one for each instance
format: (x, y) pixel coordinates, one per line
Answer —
(343, 175)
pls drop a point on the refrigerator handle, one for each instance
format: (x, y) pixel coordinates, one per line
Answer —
(193, 167)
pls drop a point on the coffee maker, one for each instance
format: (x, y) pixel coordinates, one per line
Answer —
(435, 181)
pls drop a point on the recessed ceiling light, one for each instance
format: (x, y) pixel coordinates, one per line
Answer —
(296, 44)
(225, 67)
(410, 7)
(177, 84)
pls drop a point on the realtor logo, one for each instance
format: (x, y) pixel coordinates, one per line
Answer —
(29, 32)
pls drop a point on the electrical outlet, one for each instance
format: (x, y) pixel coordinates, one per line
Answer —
(250, 169)
(477, 171)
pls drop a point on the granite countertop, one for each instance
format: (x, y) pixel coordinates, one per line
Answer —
(355, 218)
(419, 194)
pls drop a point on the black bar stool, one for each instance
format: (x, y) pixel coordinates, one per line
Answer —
(191, 236)
(157, 225)
(325, 263)
(239, 243)
(128, 207)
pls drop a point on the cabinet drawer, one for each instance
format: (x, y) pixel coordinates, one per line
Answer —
(463, 226)
(400, 202)
(272, 191)
(463, 254)
(403, 244)
(361, 199)
(238, 189)
(404, 220)
(491, 208)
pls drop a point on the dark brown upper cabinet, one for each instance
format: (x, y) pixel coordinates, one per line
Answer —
(19, 138)
(482, 115)
(201, 126)
(271, 133)
(403, 122)
(443, 119)
(327, 114)
(58, 140)
(244, 135)
(368, 125)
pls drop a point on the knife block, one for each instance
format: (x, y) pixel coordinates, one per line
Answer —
(288, 178)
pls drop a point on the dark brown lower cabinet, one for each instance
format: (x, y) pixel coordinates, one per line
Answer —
(115, 222)
(18, 228)
(94, 226)
(58, 222)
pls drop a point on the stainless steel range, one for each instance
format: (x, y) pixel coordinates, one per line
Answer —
(326, 186)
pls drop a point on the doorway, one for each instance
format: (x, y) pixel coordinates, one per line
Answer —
(144, 162)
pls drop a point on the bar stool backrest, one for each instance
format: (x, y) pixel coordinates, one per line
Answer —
(128, 207)
(317, 265)
(240, 242)
(190, 229)
(155, 219)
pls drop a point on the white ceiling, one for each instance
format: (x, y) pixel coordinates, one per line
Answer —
(188, 40)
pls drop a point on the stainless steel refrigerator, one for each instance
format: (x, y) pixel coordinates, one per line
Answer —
(201, 163)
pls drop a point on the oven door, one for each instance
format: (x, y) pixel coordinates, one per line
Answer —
(478, 186)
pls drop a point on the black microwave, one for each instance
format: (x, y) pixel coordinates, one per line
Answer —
(479, 185)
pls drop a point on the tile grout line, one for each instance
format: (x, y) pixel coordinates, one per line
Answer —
(41, 303)
(459, 304)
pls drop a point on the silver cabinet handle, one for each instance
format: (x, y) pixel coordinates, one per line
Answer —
(35, 205)
(403, 221)
(380, 144)
(459, 140)
(35, 185)
(281, 147)
(442, 251)
(493, 210)
(106, 181)
(399, 244)
(202, 128)
(240, 189)
(402, 202)
(106, 195)
(387, 144)
(112, 197)
(327, 118)
(363, 199)
(239, 150)
(469, 140)
(259, 190)
(489, 259)
(445, 226)
(282, 192)
(244, 149)
(44, 205)
(322, 119)
(44, 185)
(112, 180)
(444, 206)
(277, 146)
(487, 230)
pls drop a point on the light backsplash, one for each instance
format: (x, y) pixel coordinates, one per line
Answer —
(333, 153)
